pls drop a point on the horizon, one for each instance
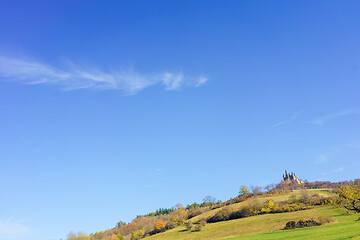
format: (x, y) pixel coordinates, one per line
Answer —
(109, 111)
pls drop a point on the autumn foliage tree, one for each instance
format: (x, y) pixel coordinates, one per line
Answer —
(244, 191)
(159, 226)
(350, 197)
(114, 237)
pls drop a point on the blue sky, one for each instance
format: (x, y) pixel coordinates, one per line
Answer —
(112, 110)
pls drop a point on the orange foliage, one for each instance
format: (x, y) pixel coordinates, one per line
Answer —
(114, 237)
(159, 225)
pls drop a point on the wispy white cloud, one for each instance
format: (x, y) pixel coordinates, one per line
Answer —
(321, 120)
(295, 116)
(11, 229)
(74, 77)
(339, 169)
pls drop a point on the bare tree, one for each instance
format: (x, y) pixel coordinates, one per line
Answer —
(269, 187)
(178, 206)
(209, 199)
(256, 190)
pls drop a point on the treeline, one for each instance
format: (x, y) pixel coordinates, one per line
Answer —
(189, 208)
(149, 224)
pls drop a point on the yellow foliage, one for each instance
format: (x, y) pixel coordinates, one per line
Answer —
(350, 197)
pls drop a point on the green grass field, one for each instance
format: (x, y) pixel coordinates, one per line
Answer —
(346, 228)
(269, 226)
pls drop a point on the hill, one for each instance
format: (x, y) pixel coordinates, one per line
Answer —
(270, 227)
(251, 215)
(255, 227)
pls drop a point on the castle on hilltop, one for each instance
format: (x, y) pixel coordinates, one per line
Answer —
(291, 178)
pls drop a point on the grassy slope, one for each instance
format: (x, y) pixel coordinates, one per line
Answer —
(235, 206)
(346, 228)
(269, 226)
(276, 198)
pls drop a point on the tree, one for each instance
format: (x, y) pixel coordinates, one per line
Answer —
(159, 226)
(136, 235)
(269, 187)
(256, 190)
(78, 236)
(178, 206)
(114, 237)
(120, 223)
(244, 191)
(350, 197)
(120, 237)
(209, 199)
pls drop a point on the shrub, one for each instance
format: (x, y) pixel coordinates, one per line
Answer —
(290, 225)
(307, 223)
(302, 223)
(222, 215)
(189, 226)
(170, 225)
(194, 212)
(246, 211)
(200, 225)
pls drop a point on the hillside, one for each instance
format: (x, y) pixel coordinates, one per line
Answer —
(308, 212)
(269, 226)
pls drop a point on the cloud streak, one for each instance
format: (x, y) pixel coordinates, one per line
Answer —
(12, 228)
(323, 119)
(74, 77)
(295, 116)
(339, 169)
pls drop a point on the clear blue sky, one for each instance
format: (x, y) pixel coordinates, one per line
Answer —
(113, 109)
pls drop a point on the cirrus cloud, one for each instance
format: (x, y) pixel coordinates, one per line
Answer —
(75, 77)
(323, 119)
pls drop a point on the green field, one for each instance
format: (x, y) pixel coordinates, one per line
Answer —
(346, 228)
(269, 226)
